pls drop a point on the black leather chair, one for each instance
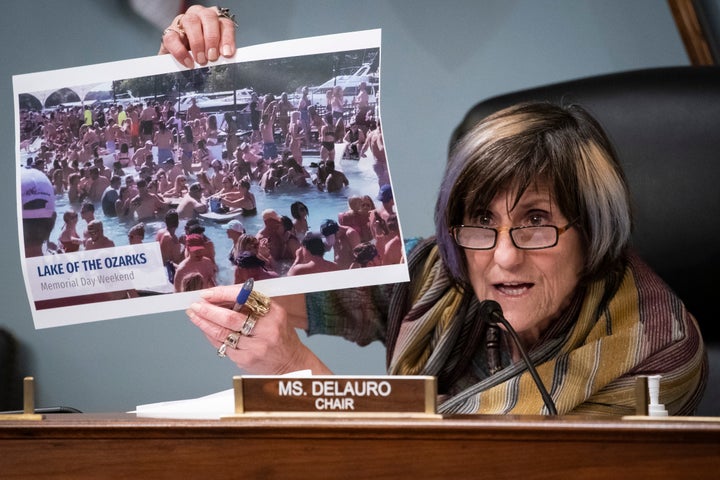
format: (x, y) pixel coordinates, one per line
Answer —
(665, 125)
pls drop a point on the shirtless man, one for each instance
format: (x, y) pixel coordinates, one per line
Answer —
(141, 153)
(272, 234)
(97, 185)
(195, 262)
(284, 107)
(393, 252)
(146, 205)
(375, 143)
(170, 247)
(96, 237)
(191, 204)
(148, 117)
(335, 180)
(193, 111)
(342, 240)
(247, 154)
(361, 102)
(313, 249)
(165, 141)
(87, 213)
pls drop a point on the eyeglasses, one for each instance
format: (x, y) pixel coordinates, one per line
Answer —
(534, 237)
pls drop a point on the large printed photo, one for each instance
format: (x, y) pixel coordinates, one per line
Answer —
(141, 182)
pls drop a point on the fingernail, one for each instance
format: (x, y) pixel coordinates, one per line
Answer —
(201, 58)
(226, 50)
(212, 54)
(188, 62)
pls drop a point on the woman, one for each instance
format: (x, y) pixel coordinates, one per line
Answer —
(295, 137)
(187, 146)
(327, 138)
(542, 226)
(179, 188)
(69, 239)
(533, 213)
(243, 198)
(299, 212)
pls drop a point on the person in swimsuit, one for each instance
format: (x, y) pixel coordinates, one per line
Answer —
(69, 239)
(327, 138)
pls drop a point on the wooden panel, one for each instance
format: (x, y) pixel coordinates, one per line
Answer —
(691, 32)
(87, 446)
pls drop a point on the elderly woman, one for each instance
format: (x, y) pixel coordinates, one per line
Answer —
(534, 214)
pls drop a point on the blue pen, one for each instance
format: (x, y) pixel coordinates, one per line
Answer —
(243, 294)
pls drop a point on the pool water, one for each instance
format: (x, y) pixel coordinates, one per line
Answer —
(321, 206)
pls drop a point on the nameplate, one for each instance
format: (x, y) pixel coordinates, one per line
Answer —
(334, 395)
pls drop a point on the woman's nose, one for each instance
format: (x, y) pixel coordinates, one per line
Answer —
(506, 254)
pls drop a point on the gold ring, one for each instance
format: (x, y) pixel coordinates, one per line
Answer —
(177, 30)
(232, 340)
(178, 25)
(258, 303)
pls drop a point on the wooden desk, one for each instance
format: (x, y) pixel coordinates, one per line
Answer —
(122, 446)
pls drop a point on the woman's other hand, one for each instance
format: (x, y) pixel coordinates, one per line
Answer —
(204, 33)
(273, 347)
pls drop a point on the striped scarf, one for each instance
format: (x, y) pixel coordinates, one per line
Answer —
(588, 358)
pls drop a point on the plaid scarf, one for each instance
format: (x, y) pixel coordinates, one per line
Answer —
(588, 358)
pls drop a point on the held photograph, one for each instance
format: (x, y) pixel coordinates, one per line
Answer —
(141, 182)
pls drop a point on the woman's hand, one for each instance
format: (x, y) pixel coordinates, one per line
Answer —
(273, 346)
(206, 32)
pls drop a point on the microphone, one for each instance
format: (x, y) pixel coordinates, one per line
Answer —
(492, 312)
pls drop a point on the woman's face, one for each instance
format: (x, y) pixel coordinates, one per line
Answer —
(532, 286)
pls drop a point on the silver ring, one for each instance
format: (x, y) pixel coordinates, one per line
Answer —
(221, 351)
(224, 12)
(232, 340)
(248, 325)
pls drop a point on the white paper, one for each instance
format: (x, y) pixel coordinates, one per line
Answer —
(67, 299)
(209, 407)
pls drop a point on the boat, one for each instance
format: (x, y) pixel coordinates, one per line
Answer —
(350, 84)
(216, 101)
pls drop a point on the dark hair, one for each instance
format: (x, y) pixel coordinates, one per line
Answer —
(364, 253)
(314, 244)
(247, 259)
(295, 209)
(172, 219)
(518, 147)
(329, 227)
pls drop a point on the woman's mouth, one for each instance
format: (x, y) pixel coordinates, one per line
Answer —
(513, 289)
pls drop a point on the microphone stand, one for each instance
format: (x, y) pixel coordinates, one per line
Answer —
(494, 315)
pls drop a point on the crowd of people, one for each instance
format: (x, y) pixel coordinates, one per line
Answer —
(145, 162)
